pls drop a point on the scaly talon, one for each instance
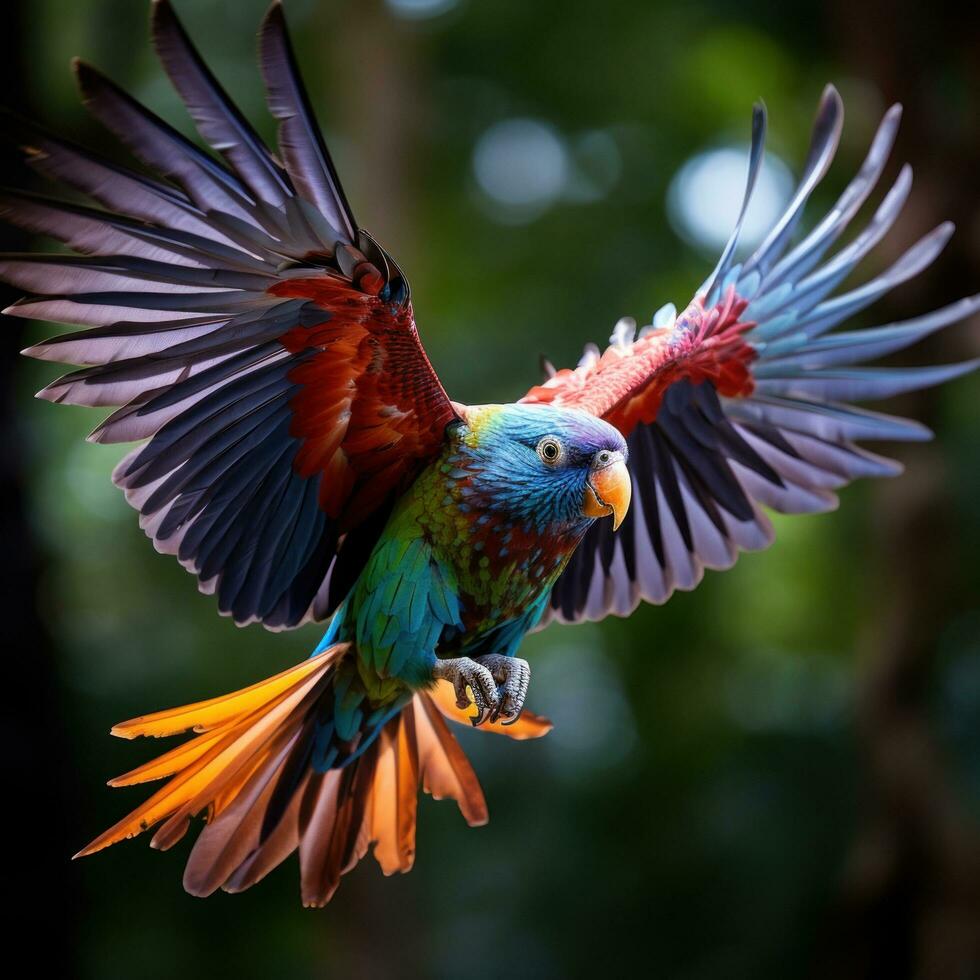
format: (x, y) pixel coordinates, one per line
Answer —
(513, 676)
(498, 685)
(521, 695)
(463, 672)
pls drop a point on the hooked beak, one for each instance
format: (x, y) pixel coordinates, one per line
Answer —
(608, 491)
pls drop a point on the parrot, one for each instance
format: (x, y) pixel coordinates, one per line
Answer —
(296, 452)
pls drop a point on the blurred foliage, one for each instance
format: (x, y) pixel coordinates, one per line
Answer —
(692, 812)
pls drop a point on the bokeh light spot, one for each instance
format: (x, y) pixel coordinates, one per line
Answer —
(705, 196)
(420, 9)
(520, 165)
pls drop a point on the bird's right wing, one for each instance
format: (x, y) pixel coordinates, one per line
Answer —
(744, 400)
(257, 343)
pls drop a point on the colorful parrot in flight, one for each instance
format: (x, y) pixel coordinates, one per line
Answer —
(297, 453)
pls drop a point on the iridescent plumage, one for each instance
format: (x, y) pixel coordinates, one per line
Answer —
(300, 457)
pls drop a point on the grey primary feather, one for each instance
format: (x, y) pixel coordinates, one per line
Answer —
(823, 145)
(217, 118)
(756, 152)
(160, 146)
(112, 186)
(799, 260)
(304, 152)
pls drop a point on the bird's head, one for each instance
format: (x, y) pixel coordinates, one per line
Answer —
(551, 466)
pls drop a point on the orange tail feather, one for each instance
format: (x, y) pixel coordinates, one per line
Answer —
(248, 772)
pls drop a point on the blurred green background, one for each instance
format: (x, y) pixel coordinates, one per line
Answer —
(775, 775)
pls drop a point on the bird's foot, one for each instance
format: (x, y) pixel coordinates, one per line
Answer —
(513, 676)
(498, 685)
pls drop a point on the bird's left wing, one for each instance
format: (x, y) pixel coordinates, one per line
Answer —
(744, 399)
(257, 343)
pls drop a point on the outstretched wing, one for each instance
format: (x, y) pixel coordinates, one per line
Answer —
(257, 343)
(743, 400)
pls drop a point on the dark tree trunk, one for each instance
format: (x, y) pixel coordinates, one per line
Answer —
(910, 900)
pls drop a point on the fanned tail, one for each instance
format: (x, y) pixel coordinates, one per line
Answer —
(249, 771)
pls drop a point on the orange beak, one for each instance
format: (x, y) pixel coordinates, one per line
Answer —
(608, 491)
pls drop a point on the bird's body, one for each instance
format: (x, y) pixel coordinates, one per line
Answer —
(298, 454)
(466, 561)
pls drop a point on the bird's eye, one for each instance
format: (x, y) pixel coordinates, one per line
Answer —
(603, 457)
(550, 450)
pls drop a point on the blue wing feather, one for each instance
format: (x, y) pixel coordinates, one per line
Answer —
(706, 463)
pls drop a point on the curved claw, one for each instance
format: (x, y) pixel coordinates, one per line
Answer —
(481, 716)
(510, 721)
